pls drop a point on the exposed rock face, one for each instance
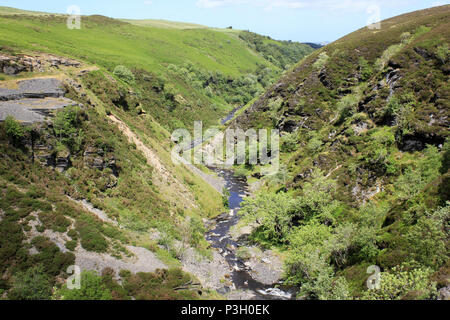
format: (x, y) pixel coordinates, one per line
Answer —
(288, 125)
(34, 100)
(34, 88)
(12, 65)
(444, 293)
(96, 158)
(418, 142)
(62, 161)
(323, 77)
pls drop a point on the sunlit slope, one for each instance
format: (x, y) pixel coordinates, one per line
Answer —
(164, 24)
(109, 42)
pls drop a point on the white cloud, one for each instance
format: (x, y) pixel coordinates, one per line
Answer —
(330, 5)
(148, 2)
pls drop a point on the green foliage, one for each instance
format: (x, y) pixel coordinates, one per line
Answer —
(443, 53)
(428, 238)
(241, 173)
(276, 214)
(321, 60)
(92, 288)
(390, 52)
(159, 285)
(404, 282)
(233, 90)
(124, 73)
(405, 37)
(273, 212)
(289, 143)
(91, 237)
(32, 284)
(54, 221)
(314, 143)
(67, 126)
(71, 245)
(317, 200)
(347, 106)
(365, 68)
(414, 179)
(14, 129)
(281, 53)
(307, 263)
(243, 253)
(53, 260)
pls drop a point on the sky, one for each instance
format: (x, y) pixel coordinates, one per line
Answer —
(297, 20)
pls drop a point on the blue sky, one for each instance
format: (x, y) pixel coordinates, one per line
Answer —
(298, 20)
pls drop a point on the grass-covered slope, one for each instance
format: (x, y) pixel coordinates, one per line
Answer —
(165, 24)
(364, 177)
(185, 62)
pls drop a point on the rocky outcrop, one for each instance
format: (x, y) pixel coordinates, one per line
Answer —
(96, 158)
(62, 161)
(13, 65)
(34, 88)
(34, 100)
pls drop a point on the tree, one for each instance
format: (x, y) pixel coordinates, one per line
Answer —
(14, 129)
(428, 238)
(67, 125)
(308, 263)
(273, 212)
(317, 199)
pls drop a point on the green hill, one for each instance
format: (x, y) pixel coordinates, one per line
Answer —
(165, 24)
(14, 11)
(365, 127)
(181, 58)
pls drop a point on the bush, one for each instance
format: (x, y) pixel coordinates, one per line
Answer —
(14, 129)
(71, 245)
(33, 284)
(307, 264)
(92, 288)
(365, 69)
(124, 74)
(91, 237)
(67, 126)
(443, 53)
(54, 221)
(428, 238)
(347, 106)
(273, 212)
(404, 282)
(289, 143)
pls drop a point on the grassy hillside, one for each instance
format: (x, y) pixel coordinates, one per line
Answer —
(164, 24)
(108, 43)
(14, 11)
(364, 177)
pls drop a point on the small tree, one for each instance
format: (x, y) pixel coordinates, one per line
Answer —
(14, 129)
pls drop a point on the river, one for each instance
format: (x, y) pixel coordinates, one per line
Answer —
(220, 238)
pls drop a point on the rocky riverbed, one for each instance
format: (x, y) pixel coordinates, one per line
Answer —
(254, 273)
